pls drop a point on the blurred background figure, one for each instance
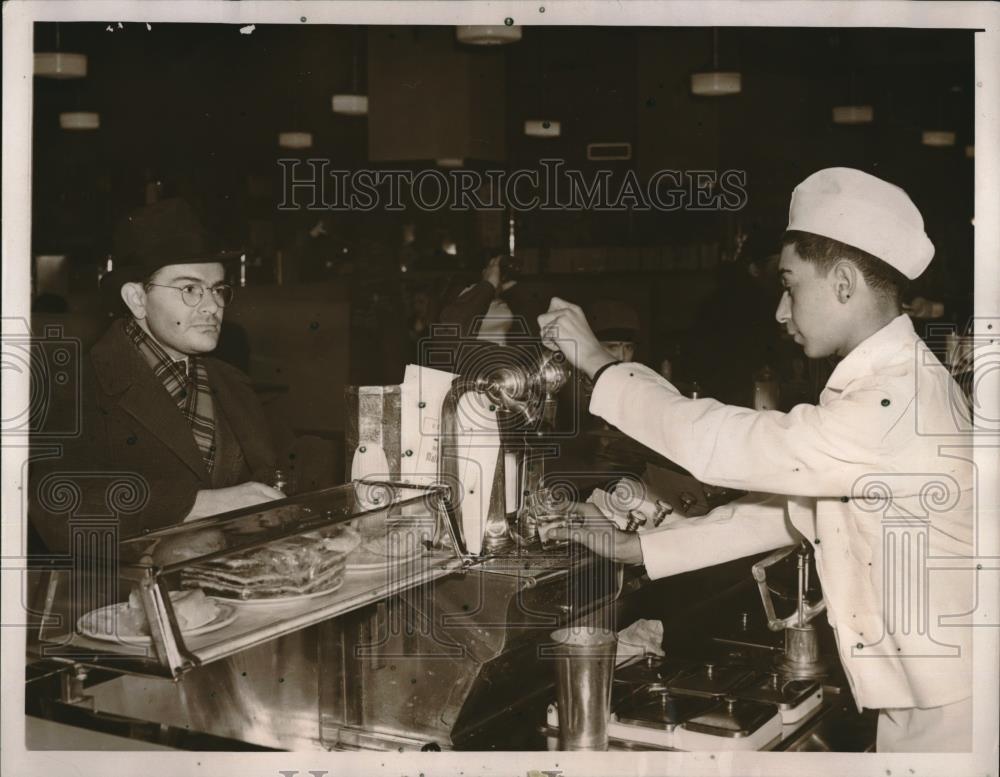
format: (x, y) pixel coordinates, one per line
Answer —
(616, 325)
(481, 311)
(418, 323)
(735, 334)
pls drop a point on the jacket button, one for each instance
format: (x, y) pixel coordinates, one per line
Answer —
(131, 440)
(859, 646)
(816, 541)
(845, 499)
(886, 403)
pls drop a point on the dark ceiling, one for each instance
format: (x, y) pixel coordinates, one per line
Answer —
(201, 105)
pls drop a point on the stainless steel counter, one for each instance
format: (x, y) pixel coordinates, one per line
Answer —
(444, 665)
(437, 664)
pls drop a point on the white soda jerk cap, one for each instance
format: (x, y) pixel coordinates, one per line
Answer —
(865, 212)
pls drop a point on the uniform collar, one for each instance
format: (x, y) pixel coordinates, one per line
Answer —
(872, 352)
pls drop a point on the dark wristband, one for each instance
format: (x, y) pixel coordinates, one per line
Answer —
(601, 370)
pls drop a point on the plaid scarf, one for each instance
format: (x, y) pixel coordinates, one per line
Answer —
(187, 387)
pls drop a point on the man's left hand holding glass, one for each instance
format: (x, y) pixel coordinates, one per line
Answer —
(588, 526)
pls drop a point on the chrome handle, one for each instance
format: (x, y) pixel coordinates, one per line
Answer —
(805, 612)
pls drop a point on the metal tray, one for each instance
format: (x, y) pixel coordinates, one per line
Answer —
(709, 680)
(732, 717)
(654, 706)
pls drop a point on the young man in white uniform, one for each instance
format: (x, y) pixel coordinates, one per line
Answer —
(864, 476)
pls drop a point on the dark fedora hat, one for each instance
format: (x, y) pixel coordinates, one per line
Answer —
(154, 236)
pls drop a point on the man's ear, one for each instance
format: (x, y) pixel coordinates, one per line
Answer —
(134, 297)
(846, 280)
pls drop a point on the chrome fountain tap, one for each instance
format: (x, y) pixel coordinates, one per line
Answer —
(526, 393)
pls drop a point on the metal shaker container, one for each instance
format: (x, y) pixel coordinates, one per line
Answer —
(585, 664)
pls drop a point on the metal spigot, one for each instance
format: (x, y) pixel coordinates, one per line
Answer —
(635, 520)
(523, 390)
(552, 373)
(663, 509)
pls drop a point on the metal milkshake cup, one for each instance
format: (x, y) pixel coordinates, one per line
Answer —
(585, 665)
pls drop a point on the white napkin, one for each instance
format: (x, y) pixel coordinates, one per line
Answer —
(642, 638)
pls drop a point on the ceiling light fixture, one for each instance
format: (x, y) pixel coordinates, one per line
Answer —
(295, 139)
(488, 35)
(938, 138)
(715, 82)
(80, 120)
(352, 103)
(853, 114)
(853, 110)
(542, 128)
(60, 64)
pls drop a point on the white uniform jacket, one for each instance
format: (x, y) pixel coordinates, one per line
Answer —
(878, 477)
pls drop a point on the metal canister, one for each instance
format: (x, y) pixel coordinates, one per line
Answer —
(585, 664)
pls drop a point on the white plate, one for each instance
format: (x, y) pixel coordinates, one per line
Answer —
(280, 599)
(419, 529)
(226, 615)
(384, 563)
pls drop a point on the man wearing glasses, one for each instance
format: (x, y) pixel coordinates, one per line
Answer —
(153, 403)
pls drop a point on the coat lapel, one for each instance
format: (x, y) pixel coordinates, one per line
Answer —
(229, 400)
(152, 406)
(130, 383)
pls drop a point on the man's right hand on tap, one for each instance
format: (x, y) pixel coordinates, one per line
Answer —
(564, 328)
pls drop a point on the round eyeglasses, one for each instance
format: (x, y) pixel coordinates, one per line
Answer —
(192, 294)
